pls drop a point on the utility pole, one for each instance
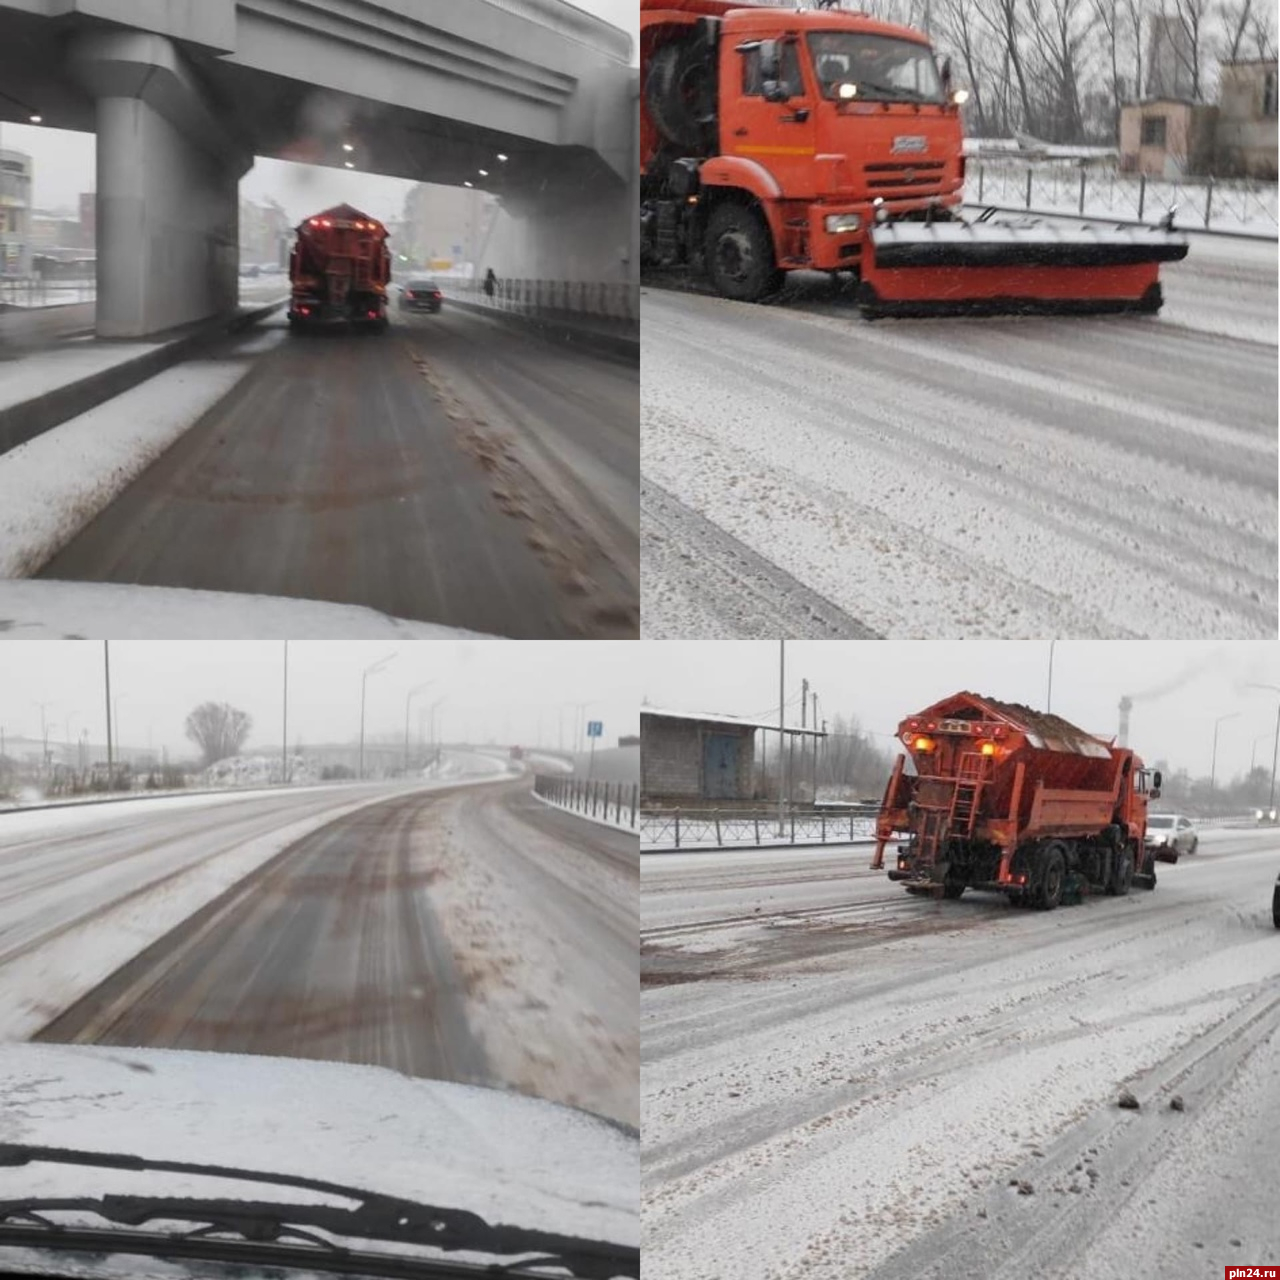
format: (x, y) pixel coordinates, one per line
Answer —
(106, 660)
(804, 702)
(1048, 698)
(782, 724)
(284, 733)
(817, 742)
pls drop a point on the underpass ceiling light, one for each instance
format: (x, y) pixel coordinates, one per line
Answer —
(468, 184)
(484, 173)
(346, 146)
(348, 164)
(35, 119)
(502, 157)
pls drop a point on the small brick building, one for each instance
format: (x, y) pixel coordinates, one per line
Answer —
(692, 759)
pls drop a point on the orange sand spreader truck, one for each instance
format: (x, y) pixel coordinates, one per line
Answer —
(1017, 801)
(338, 271)
(784, 139)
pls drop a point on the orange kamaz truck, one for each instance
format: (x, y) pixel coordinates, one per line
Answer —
(999, 796)
(338, 271)
(782, 139)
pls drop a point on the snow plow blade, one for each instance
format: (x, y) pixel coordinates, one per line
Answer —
(993, 268)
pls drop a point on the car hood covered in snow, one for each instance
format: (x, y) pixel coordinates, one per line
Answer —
(510, 1159)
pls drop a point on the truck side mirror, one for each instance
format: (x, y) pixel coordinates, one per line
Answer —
(1156, 779)
(774, 91)
(945, 75)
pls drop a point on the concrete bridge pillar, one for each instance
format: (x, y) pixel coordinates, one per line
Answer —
(168, 187)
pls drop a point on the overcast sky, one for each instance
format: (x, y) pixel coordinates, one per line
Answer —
(64, 162)
(1179, 688)
(504, 691)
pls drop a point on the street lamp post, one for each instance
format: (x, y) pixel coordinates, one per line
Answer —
(1275, 752)
(364, 681)
(1213, 767)
(413, 693)
(433, 743)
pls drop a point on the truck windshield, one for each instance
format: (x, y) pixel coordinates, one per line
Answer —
(882, 69)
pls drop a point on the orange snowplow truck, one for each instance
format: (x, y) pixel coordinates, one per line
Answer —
(1015, 800)
(339, 270)
(777, 139)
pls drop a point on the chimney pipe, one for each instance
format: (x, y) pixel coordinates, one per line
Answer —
(1126, 705)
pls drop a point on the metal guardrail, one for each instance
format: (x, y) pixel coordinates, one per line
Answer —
(606, 304)
(667, 829)
(41, 291)
(747, 828)
(612, 801)
(1214, 204)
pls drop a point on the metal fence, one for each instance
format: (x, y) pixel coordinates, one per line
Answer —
(1214, 204)
(603, 304)
(746, 828)
(612, 801)
(39, 291)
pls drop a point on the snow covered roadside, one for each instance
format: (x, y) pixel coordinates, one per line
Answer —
(588, 817)
(544, 935)
(41, 982)
(35, 609)
(821, 1092)
(97, 811)
(52, 486)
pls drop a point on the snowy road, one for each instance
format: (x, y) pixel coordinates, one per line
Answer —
(1014, 477)
(841, 1080)
(461, 933)
(453, 470)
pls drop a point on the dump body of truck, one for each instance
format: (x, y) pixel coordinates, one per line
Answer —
(339, 270)
(1015, 800)
(776, 139)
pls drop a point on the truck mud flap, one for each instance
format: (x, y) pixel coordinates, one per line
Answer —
(959, 268)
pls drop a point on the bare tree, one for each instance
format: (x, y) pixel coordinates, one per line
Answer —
(218, 729)
(1235, 24)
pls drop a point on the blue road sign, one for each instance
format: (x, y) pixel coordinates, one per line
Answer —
(595, 728)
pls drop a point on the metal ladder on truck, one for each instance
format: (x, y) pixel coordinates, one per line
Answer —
(954, 818)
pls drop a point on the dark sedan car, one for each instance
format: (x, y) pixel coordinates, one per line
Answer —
(1169, 835)
(420, 295)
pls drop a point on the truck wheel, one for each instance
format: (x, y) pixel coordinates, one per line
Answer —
(1052, 879)
(740, 254)
(953, 885)
(1122, 875)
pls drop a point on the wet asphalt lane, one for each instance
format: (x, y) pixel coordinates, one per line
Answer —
(335, 470)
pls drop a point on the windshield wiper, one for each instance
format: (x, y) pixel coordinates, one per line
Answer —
(377, 1217)
(892, 92)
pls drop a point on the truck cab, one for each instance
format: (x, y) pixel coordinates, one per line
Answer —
(785, 133)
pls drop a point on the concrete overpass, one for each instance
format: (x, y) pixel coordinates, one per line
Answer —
(183, 94)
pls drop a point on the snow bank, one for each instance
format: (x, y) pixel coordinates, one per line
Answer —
(62, 610)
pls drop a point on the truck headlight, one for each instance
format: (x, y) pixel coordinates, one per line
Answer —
(838, 224)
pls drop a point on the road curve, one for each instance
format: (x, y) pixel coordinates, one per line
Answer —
(330, 951)
(465, 934)
(453, 470)
(1011, 478)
